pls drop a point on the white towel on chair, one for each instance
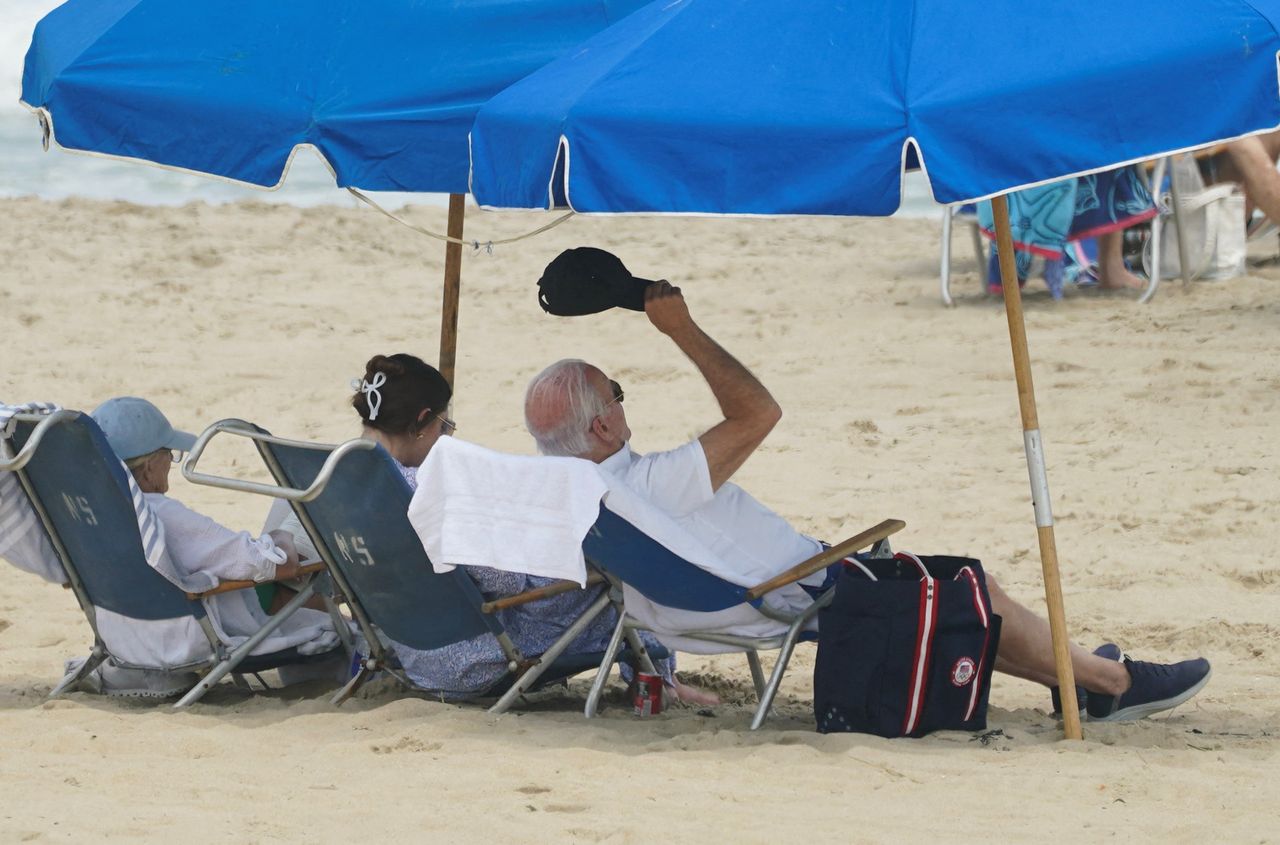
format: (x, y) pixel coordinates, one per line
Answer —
(478, 507)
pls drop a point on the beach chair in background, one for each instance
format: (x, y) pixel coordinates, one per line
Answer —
(967, 214)
(626, 555)
(353, 504)
(80, 490)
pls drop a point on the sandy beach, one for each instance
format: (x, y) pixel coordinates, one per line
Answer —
(1163, 456)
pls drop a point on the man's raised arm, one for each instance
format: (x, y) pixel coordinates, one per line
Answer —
(750, 412)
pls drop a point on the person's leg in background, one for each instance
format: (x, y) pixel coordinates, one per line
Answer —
(1252, 163)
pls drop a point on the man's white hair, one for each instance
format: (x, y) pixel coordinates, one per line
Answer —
(565, 406)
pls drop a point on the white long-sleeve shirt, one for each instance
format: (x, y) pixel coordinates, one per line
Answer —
(198, 544)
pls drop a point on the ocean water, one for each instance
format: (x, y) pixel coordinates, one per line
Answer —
(26, 169)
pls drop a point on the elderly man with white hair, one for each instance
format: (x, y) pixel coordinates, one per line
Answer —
(573, 408)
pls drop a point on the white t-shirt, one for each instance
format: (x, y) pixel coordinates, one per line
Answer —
(749, 539)
(757, 542)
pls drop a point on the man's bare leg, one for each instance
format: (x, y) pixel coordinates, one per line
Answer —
(1112, 274)
(1252, 162)
(1026, 650)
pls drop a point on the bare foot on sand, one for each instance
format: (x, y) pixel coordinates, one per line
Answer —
(691, 694)
(1119, 278)
(1112, 272)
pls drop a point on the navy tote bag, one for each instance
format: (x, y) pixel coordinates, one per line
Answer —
(907, 646)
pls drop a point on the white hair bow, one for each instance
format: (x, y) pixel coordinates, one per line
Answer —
(371, 391)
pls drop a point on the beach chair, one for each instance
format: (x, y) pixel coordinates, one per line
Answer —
(354, 504)
(628, 556)
(80, 490)
(966, 213)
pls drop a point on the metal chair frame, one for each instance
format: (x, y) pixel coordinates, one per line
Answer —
(212, 669)
(731, 595)
(526, 672)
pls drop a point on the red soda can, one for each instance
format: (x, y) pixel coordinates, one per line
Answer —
(648, 696)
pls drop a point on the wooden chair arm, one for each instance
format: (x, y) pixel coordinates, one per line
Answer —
(1202, 153)
(232, 586)
(540, 593)
(824, 559)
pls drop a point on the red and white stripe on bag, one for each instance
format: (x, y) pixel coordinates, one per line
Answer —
(965, 669)
(972, 577)
(925, 626)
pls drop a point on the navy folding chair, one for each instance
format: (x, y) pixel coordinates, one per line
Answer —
(80, 491)
(626, 555)
(354, 504)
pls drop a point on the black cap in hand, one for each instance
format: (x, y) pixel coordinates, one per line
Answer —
(587, 280)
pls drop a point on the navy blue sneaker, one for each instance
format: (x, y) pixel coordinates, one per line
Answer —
(1082, 699)
(1110, 651)
(1154, 687)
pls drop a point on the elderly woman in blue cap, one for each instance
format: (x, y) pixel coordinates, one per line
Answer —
(198, 548)
(142, 437)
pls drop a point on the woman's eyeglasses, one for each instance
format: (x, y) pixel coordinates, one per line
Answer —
(447, 426)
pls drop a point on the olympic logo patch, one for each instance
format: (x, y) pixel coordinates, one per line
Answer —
(963, 672)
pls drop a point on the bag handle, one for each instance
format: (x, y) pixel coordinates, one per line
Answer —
(911, 558)
(1199, 200)
(1206, 197)
(972, 577)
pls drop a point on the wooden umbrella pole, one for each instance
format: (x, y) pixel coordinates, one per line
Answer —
(452, 288)
(1036, 469)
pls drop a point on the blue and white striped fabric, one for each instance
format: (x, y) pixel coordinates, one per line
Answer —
(7, 412)
(15, 511)
(23, 541)
(149, 527)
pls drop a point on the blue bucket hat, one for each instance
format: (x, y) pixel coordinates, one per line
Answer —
(134, 427)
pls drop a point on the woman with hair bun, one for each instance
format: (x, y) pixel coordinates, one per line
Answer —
(403, 404)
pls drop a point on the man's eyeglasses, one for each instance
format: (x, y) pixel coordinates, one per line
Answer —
(618, 395)
(176, 455)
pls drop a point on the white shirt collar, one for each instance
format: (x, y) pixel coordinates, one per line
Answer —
(620, 461)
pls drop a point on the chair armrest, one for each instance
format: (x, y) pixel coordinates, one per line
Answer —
(824, 559)
(540, 593)
(44, 422)
(232, 586)
(240, 428)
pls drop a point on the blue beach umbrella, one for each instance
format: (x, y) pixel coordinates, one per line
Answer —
(781, 107)
(384, 90)
(813, 106)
